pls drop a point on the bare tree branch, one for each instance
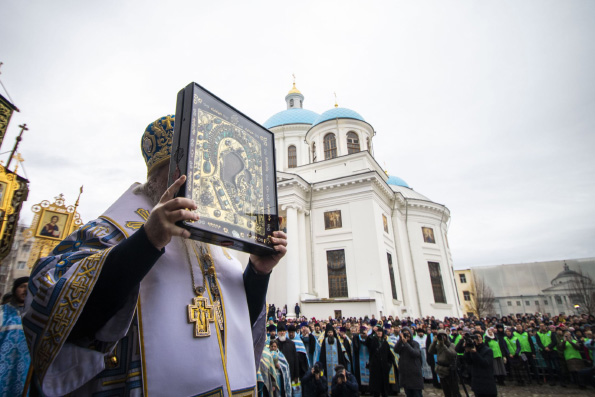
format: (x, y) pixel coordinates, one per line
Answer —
(482, 299)
(582, 292)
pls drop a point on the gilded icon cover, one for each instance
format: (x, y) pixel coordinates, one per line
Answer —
(229, 161)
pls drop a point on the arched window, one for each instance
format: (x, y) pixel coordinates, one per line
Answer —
(330, 146)
(291, 102)
(291, 157)
(352, 142)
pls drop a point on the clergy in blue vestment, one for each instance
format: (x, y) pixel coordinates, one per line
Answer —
(128, 305)
(331, 353)
(14, 354)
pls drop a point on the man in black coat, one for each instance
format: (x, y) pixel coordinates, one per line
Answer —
(359, 343)
(344, 383)
(410, 373)
(287, 347)
(347, 345)
(309, 340)
(381, 360)
(480, 359)
(314, 383)
(430, 357)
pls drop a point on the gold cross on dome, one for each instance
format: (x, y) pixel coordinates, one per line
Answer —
(201, 314)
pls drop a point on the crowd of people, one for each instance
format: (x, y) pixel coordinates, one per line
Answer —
(354, 356)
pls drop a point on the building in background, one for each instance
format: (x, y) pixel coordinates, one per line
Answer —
(361, 242)
(540, 287)
(14, 265)
(465, 287)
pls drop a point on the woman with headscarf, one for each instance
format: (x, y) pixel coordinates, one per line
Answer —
(282, 368)
(491, 339)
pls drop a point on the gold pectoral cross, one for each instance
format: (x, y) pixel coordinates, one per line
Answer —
(201, 314)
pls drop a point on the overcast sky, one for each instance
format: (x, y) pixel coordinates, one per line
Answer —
(486, 107)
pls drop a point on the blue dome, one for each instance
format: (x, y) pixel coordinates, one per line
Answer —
(291, 116)
(338, 113)
(396, 181)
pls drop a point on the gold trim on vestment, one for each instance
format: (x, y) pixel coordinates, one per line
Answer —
(67, 309)
(208, 290)
(141, 342)
(116, 224)
(116, 381)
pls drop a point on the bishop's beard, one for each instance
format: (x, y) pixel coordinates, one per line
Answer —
(153, 188)
(331, 340)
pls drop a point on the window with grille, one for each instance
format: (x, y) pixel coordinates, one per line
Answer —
(337, 275)
(391, 273)
(466, 295)
(463, 278)
(291, 157)
(21, 265)
(352, 142)
(436, 279)
(330, 146)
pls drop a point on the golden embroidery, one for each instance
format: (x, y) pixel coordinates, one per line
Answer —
(72, 299)
(135, 225)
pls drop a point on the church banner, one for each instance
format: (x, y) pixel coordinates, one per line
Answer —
(13, 192)
(6, 110)
(52, 223)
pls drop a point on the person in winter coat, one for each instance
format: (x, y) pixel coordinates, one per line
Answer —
(446, 364)
(344, 383)
(515, 361)
(480, 359)
(314, 383)
(410, 371)
(381, 360)
(491, 339)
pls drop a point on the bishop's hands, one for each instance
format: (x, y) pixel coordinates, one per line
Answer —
(161, 225)
(265, 264)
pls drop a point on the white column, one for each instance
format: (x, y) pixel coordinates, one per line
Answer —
(292, 287)
(303, 254)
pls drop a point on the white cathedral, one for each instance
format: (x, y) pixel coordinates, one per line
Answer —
(360, 242)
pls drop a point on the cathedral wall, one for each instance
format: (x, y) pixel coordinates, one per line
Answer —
(431, 248)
